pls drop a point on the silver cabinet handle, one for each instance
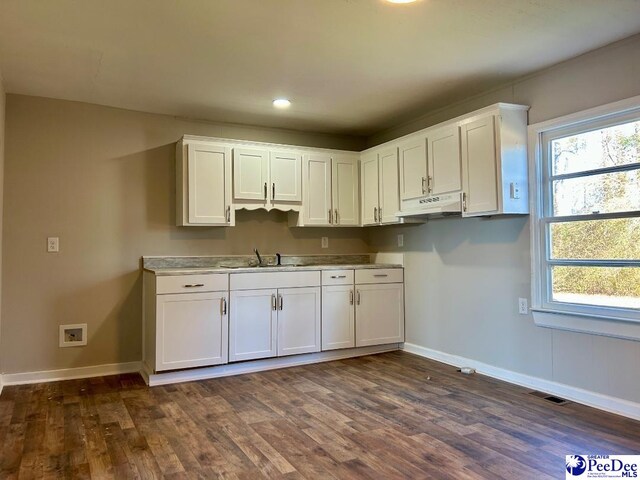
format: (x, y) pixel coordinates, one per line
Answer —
(375, 214)
(380, 275)
(265, 190)
(223, 306)
(464, 201)
(338, 276)
(280, 302)
(424, 188)
(350, 297)
(273, 302)
(228, 213)
(336, 217)
(193, 285)
(358, 302)
(273, 191)
(430, 183)
(330, 216)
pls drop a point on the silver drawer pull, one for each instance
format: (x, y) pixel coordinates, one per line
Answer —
(338, 276)
(380, 275)
(194, 285)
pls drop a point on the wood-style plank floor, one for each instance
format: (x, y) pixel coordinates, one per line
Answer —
(386, 416)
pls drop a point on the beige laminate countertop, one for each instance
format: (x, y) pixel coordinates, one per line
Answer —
(284, 268)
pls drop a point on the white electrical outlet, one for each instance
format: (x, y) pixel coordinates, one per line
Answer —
(523, 308)
(401, 240)
(325, 242)
(515, 190)
(53, 244)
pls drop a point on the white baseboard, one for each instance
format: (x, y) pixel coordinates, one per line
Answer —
(70, 373)
(592, 399)
(1, 383)
(154, 379)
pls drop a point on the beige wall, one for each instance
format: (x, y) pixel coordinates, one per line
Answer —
(102, 179)
(464, 276)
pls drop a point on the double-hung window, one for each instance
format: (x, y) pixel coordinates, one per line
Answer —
(586, 231)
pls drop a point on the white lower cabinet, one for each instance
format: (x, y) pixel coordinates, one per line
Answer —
(338, 317)
(379, 314)
(185, 321)
(279, 321)
(252, 325)
(298, 320)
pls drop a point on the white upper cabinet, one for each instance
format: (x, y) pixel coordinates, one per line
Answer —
(380, 186)
(344, 184)
(266, 179)
(389, 188)
(413, 168)
(250, 174)
(317, 186)
(444, 173)
(494, 162)
(285, 177)
(369, 185)
(203, 184)
(330, 190)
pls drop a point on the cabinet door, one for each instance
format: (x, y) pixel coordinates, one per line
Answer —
(286, 177)
(444, 161)
(252, 325)
(413, 168)
(250, 174)
(191, 330)
(389, 186)
(369, 189)
(379, 314)
(317, 175)
(209, 177)
(479, 174)
(338, 317)
(298, 320)
(345, 191)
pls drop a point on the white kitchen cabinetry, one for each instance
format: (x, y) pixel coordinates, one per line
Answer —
(494, 163)
(274, 314)
(183, 329)
(266, 179)
(331, 191)
(253, 325)
(338, 309)
(443, 155)
(379, 307)
(379, 184)
(413, 168)
(203, 184)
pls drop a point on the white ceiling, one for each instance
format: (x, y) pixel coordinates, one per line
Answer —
(349, 66)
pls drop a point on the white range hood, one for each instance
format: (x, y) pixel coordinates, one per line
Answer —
(433, 205)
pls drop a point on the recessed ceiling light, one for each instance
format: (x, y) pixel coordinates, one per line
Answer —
(401, 1)
(281, 103)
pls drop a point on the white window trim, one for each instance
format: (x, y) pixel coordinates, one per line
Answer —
(581, 318)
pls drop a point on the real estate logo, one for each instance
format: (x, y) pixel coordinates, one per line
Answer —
(602, 466)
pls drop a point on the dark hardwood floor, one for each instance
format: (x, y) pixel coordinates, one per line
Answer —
(385, 416)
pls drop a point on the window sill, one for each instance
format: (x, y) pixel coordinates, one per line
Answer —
(594, 324)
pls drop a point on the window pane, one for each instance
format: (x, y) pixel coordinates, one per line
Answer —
(607, 147)
(603, 286)
(605, 193)
(617, 239)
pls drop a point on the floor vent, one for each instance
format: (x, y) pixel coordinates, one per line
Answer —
(550, 398)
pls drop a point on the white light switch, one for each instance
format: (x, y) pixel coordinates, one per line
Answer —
(515, 190)
(53, 244)
(325, 242)
(401, 240)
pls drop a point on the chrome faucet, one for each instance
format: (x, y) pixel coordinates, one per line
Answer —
(255, 250)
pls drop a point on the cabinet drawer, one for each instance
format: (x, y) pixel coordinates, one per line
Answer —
(379, 275)
(337, 277)
(212, 282)
(258, 280)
